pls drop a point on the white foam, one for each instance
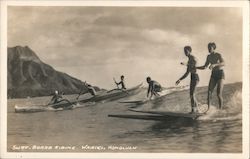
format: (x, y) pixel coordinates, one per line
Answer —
(215, 114)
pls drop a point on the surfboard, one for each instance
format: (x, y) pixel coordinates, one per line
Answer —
(142, 117)
(43, 108)
(135, 101)
(171, 114)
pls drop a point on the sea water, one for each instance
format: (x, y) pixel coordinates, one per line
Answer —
(89, 129)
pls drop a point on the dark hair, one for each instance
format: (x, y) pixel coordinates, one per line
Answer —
(148, 79)
(122, 76)
(188, 48)
(212, 44)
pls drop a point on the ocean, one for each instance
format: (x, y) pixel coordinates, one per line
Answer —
(89, 129)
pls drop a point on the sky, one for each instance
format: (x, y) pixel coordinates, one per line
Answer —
(97, 44)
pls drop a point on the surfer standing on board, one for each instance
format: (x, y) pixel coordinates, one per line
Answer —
(191, 68)
(216, 63)
(153, 88)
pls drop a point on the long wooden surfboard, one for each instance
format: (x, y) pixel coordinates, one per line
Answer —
(135, 101)
(171, 114)
(141, 116)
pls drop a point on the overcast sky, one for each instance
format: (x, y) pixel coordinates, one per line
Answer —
(98, 43)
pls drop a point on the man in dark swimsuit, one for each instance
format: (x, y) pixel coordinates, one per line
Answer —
(121, 83)
(191, 68)
(216, 63)
(153, 87)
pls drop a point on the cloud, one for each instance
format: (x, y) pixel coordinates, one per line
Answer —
(166, 36)
(75, 37)
(209, 29)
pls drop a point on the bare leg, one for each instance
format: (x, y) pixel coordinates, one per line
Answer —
(212, 84)
(219, 92)
(193, 85)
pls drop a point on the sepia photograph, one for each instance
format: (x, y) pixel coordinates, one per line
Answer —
(143, 79)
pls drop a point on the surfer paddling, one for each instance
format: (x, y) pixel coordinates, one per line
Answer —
(90, 89)
(153, 88)
(216, 63)
(56, 98)
(121, 83)
(191, 68)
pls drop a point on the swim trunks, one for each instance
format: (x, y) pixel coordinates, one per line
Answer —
(218, 74)
(194, 77)
(157, 88)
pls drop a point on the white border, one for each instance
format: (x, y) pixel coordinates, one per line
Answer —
(245, 111)
(245, 85)
(3, 71)
(139, 3)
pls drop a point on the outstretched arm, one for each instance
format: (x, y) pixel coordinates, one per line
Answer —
(118, 83)
(184, 76)
(204, 66)
(115, 82)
